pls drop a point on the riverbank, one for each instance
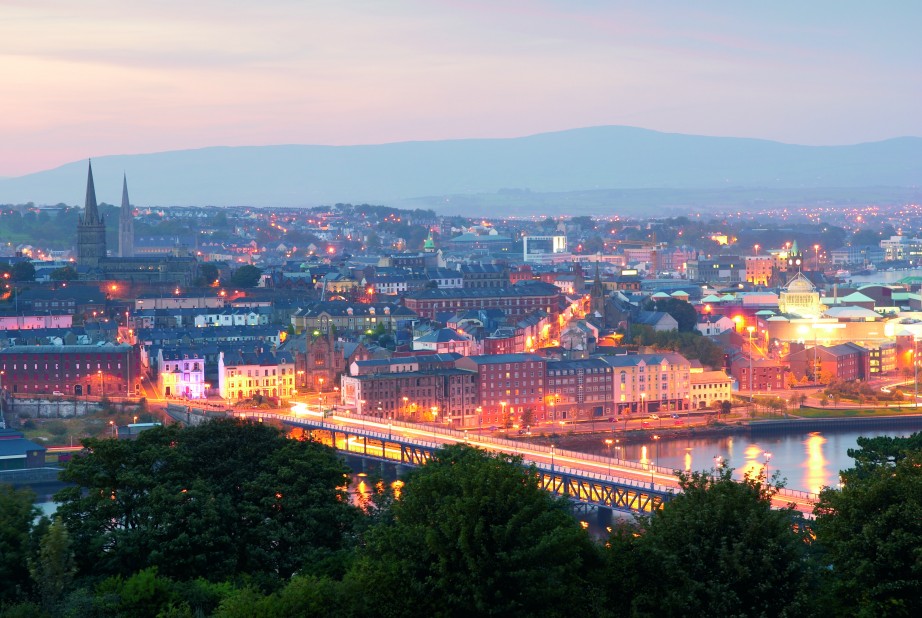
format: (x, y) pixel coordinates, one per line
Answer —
(738, 426)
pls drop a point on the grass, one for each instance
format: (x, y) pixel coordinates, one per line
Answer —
(67, 431)
(850, 412)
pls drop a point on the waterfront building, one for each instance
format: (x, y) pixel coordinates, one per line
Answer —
(709, 387)
(244, 374)
(445, 395)
(69, 369)
(579, 390)
(510, 386)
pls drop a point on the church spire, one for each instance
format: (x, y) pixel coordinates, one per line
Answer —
(125, 223)
(90, 209)
(91, 228)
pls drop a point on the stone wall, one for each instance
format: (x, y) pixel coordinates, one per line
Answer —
(60, 408)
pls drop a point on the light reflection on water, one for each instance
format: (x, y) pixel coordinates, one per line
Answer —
(809, 461)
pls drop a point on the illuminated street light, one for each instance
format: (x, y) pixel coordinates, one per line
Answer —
(749, 329)
(609, 442)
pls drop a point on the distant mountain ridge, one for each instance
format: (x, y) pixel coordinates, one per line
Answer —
(589, 159)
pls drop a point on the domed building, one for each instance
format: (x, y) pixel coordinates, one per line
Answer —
(800, 298)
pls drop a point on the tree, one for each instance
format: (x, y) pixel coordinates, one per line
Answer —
(53, 569)
(246, 276)
(23, 271)
(17, 514)
(65, 273)
(681, 310)
(218, 500)
(725, 407)
(475, 534)
(718, 548)
(871, 530)
(209, 273)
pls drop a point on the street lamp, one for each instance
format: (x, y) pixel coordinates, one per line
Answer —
(749, 329)
(114, 429)
(552, 459)
(653, 461)
(102, 385)
(503, 416)
(816, 253)
(405, 400)
(768, 457)
(480, 418)
(609, 442)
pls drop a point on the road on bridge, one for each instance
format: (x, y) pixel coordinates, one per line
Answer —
(531, 453)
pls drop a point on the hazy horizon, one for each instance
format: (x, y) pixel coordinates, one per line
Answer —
(101, 78)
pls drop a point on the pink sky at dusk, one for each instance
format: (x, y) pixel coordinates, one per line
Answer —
(100, 77)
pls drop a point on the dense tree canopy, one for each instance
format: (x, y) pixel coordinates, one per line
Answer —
(871, 528)
(474, 534)
(212, 501)
(716, 549)
(246, 276)
(690, 345)
(17, 513)
(235, 519)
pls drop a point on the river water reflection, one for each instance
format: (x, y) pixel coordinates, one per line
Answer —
(808, 461)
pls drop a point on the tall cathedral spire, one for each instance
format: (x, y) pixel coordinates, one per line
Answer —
(90, 209)
(125, 224)
(91, 228)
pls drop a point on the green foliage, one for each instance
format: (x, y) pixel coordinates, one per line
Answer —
(691, 345)
(208, 273)
(214, 501)
(871, 529)
(474, 534)
(65, 273)
(247, 276)
(860, 391)
(17, 514)
(681, 310)
(53, 569)
(716, 549)
(23, 271)
(303, 596)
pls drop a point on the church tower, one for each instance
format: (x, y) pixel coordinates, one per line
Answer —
(125, 224)
(597, 295)
(91, 229)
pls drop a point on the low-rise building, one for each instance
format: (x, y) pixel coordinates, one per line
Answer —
(438, 396)
(708, 387)
(181, 373)
(244, 374)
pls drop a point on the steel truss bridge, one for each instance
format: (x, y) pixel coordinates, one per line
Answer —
(593, 489)
(601, 482)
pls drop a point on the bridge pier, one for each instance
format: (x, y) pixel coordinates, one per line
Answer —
(604, 516)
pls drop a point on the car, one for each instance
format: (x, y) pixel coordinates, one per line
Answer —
(654, 417)
(57, 393)
(675, 416)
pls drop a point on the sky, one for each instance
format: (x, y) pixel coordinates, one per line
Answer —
(104, 77)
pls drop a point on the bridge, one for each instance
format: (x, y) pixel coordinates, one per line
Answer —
(606, 482)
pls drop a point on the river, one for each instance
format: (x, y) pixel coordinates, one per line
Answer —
(808, 460)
